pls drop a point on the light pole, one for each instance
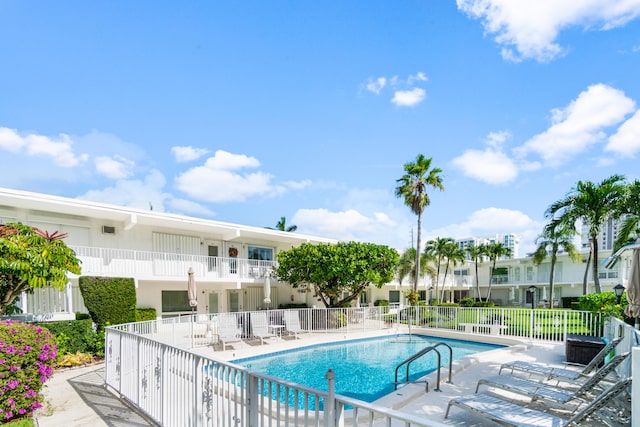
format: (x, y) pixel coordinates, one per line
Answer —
(533, 290)
(618, 290)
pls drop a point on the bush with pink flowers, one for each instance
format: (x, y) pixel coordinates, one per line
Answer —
(27, 356)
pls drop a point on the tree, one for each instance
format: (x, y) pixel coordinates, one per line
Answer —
(407, 265)
(477, 254)
(412, 187)
(333, 269)
(453, 256)
(555, 236)
(629, 210)
(494, 251)
(593, 204)
(282, 226)
(437, 250)
(31, 258)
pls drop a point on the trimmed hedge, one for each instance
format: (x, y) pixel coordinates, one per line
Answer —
(144, 314)
(110, 300)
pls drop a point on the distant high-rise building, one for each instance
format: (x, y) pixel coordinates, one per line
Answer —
(608, 234)
(510, 241)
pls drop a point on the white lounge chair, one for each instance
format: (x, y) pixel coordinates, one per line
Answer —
(550, 372)
(538, 390)
(228, 330)
(260, 326)
(292, 322)
(509, 414)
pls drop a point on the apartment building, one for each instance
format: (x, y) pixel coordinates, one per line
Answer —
(231, 261)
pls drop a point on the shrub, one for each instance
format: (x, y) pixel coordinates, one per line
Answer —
(381, 303)
(293, 305)
(605, 302)
(75, 336)
(567, 302)
(144, 314)
(483, 304)
(82, 316)
(467, 302)
(27, 355)
(110, 300)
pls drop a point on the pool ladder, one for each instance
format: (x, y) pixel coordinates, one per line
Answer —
(419, 354)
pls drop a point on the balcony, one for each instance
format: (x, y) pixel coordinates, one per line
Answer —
(143, 264)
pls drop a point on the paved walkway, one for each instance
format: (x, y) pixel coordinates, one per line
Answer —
(76, 397)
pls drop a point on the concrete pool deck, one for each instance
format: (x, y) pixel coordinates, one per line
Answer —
(66, 402)
(412, 398)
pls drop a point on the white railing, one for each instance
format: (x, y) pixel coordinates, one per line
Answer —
(539, 324)
(147, 362)
(176, 387)
(133, 263)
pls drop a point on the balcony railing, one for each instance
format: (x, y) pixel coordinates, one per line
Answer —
(131, 263)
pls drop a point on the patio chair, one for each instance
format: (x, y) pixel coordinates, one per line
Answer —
(228, 330)
(510, 414)
(260, 326)
(292, 322)
(550, 372)
(537, 390)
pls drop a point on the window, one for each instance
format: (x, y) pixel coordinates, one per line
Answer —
(173, 301)
(529, 274)
(516, 274)
(262, 254)
(394, 296)
(423, 295)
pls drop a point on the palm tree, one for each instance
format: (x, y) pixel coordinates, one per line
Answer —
(555, 236)
(629, 208)
(406, 265)
(495, 250)
(477, 254)
(437, 250)
(454, 255)
(593, 204)
(282, 226)
(412, 187)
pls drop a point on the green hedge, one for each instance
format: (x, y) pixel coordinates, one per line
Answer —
(293, 305)
(144, 314)
(110, 300)
(75, 336)
(567, 302)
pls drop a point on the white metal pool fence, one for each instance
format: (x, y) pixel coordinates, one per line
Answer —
(149, 364)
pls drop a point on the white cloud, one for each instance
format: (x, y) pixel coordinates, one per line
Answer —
(490, 165)
(187, 153)
(345, 225)
(493, 220)
(59, 149)
(626, 141)
(419, 76)
(529, 29)
(116, 167)
(218, 180)
(376, 85)
(134, 193)
(298, 185)
(408, 98)
(581, 124)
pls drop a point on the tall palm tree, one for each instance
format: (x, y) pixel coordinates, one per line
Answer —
(412, 187)
(454, 255)
(476, 254)
(555, 236)
(437, 250)
(630, 207)
(593, 204)
(282, 226)
(495, 250)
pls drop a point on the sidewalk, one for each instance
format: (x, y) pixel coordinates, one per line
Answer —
(76, 397)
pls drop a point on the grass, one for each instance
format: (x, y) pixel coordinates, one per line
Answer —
(20, 422)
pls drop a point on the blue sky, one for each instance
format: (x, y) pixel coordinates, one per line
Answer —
(249, 111)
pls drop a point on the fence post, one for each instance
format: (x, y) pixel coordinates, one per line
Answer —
(532, 324)
(252, 400)
(330, 401)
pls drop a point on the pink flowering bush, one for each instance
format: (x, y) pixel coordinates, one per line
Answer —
(27, 356)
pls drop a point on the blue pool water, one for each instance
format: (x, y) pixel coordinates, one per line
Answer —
(364, 369)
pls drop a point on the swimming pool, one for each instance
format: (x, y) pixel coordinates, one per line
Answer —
(364, 369)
